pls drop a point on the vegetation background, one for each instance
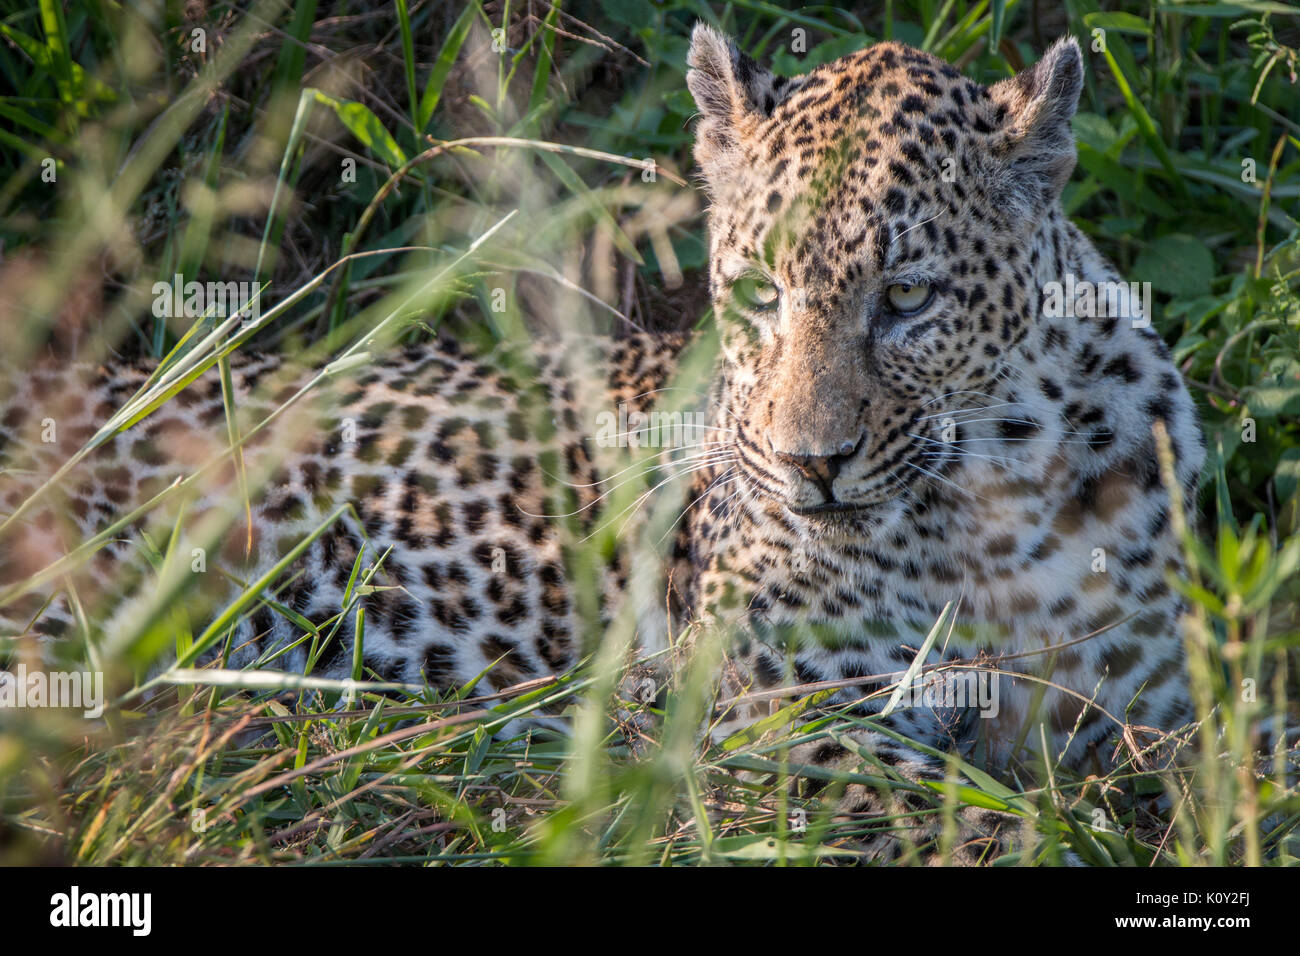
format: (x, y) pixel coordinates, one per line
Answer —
(391, 167)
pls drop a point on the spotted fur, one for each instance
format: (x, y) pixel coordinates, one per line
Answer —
(848, 518)
(862, 469)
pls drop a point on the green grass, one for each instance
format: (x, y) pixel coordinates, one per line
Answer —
(309, 149)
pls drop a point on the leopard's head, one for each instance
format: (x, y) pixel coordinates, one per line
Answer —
(871, 232)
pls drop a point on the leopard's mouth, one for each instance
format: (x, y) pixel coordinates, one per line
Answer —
(865, 503)
(830, 512)
(883, 497)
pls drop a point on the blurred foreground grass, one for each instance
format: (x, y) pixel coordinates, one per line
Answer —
(499, 171)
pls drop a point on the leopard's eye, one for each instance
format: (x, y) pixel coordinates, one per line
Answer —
(755, 294)
(905, 298)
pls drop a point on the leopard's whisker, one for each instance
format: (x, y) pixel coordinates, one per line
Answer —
(631, 509)
(999, 438)
(704, 393)
(652, 428)
(963, 391)
(721, 481)
(1000, 420)
(704, 460)
(973, 408)
(669, 388)
(959, 453)
(647, 465)
(946, 481)
(1018, 421)
(1008, 464)
(897, 484)
(740, 490)
(915, 225)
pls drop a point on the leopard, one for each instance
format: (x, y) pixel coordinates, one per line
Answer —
(918, 422)
(918, 467)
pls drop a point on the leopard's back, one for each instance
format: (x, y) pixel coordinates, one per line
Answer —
(449, 472)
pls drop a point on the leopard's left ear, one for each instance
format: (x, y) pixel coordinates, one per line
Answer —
(1039, 102)
(732, 93)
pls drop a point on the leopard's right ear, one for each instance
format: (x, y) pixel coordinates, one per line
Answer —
(733, 93)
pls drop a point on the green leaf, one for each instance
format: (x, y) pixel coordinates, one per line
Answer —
(537, 101)
(1146, 125)
(1119, 22)
(786, 63)
(253, 593)
(365, 126)
(289, 64)
(408, 58)
(56, 39)
(766, 847)
(1228, 9)
(44, 58)
(1273, 401)
(999, 11)
(914, 668)
(1119, 179)
(680, 102)
(1286, 479)
(637, 14)
(786, 715)
(1178, 264)
(1096, 131)
(970, 796)
(1121, 227)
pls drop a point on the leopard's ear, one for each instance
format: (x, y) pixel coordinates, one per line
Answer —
(731, 91)
(1037, 104)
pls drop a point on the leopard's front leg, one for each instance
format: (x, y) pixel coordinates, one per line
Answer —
(886, 796)
(890, 798)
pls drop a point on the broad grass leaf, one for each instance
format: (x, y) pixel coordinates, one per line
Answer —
(1119, 22)
(365, 126)
(1178, 264)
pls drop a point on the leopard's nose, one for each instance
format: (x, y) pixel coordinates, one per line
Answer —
(820, 469)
